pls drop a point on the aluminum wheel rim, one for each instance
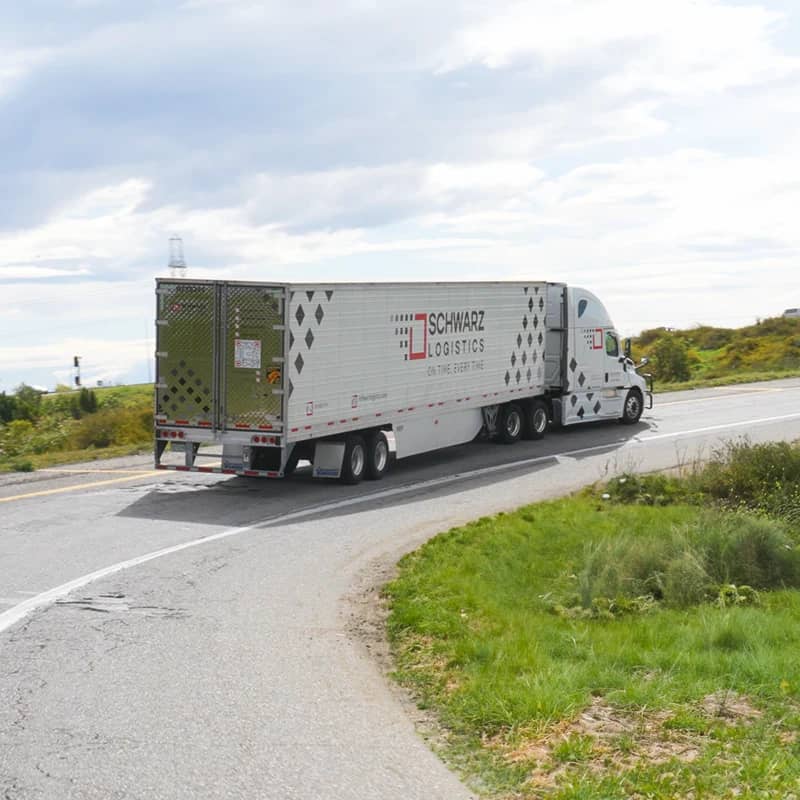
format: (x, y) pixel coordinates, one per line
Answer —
(513, 424)
(381, 456)
(539, 420)
(357, 460)
(632, 405)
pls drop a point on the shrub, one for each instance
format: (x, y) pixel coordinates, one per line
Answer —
(27, 402)
(87, 401)
(15, 438)
(671, 359)
(114, 426)
(765, 477)
(684, 567)
(741, 549)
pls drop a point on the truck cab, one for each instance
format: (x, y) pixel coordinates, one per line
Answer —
(600, 379)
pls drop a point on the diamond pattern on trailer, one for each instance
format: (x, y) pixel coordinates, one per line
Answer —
(525, 351)
(307, 317)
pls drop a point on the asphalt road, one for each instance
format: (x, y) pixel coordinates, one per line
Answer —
(173, 635)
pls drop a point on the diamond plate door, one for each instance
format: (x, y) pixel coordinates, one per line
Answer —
(253, 361)
(186, 377)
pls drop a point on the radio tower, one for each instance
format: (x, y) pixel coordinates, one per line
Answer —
(177, 263)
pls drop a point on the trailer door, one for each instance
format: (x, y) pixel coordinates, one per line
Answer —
(186, 385)
(252, 361)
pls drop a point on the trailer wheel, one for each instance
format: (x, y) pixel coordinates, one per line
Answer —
(632, 408)
(355, 459)
(377, 456)
(511, 423)
(538, 419)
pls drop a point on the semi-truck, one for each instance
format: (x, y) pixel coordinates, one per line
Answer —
(353, 376)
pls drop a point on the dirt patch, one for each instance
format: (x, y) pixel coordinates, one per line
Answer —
(729, 706)
(601, 739)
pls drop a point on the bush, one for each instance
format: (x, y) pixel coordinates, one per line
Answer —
(114, 426)
(741, 549)
(671, 359)
(764, 477)
(684, 567)
(15, 438)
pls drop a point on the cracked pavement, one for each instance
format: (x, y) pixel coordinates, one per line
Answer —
(234, 669)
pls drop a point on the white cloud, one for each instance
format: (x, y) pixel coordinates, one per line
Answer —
(684, 47)
(646, 150)
(26, 271)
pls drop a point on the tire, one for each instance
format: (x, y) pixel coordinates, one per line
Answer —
(538, 420)
(377, 457)
(632, 408)
(512, 423)
(355, 460)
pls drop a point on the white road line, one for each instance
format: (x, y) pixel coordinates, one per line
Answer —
(709, 428)
(21, 610)
(716, 397)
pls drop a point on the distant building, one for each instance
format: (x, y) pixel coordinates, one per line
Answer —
(792, 312)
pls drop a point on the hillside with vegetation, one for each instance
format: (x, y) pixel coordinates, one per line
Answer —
(41, 429)
(705, 355)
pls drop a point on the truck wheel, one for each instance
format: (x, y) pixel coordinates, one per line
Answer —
(355, 460)
(633, 407)
(377, 456)
(511, 423)
(538, 418)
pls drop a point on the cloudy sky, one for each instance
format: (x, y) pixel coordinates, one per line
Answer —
(645, 149)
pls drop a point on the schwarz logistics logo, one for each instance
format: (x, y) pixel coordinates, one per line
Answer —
(440, 334)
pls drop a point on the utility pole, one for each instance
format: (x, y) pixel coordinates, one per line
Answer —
(177, 263)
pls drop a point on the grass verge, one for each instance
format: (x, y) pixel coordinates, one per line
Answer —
(726, 380)
(34, 461)
(695, 699)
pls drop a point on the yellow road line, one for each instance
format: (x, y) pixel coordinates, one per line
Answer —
(78, 486)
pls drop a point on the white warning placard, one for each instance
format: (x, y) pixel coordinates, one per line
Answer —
(247, 353)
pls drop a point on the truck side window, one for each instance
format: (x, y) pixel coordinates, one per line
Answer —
(612, 345)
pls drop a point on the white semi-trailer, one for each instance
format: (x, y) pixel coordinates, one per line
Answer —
(351, 376)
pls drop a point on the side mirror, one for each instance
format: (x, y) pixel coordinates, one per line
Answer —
(627, 348)
(645, 361)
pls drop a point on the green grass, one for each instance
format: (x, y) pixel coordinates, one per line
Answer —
(475, 637)
(35, 461)
(731, 379)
